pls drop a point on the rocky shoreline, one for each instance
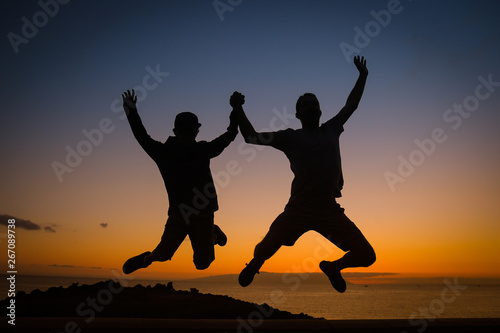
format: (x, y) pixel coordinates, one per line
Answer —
(109, 299)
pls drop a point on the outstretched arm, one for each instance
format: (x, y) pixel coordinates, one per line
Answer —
(355, 96)
(247, 130)
(138, 129)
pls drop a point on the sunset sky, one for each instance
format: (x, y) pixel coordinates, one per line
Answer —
(420, 156)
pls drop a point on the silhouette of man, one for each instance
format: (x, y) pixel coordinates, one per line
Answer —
(184, 165)
(314, 155)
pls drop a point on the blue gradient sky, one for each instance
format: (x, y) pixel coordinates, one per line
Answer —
(67, 79)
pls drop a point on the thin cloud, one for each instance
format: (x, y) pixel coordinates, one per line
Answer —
(26, 224)
(20, 223)
(366, 274)
(73, 266)
(63, 266)
(49, 229)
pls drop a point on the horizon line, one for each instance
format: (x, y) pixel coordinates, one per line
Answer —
(352, 275)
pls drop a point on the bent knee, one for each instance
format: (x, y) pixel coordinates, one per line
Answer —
(370, 256)
(365, 254)
(202, 264)
(201, 267)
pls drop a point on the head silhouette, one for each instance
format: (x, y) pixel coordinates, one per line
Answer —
(186, 127)
(308, 110)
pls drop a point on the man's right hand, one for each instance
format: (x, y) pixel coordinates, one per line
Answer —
(129, 100)
(360, 64)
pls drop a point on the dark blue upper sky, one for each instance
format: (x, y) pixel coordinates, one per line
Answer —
(67, 77)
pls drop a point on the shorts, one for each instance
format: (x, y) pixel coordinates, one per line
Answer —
(330, 222)
(200, 231)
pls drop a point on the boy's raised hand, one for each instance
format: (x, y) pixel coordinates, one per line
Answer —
(129, 100)
(360, 64)
(237, 100)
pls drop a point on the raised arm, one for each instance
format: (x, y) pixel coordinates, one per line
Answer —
(217, 146)
(138, 129)
(355, 96)
(247, 130)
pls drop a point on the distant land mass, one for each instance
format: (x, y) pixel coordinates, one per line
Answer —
(110, 299)
(306, 278)
(267, 278)
(312, 278)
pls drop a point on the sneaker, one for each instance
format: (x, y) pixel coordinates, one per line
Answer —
(336, 279)
(247, 274)
(220, 237)
(135, 263)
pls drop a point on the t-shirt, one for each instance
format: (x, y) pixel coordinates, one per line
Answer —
(186, 173)
(314, 157)
(185, 169)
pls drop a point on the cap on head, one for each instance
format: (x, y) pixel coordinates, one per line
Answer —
(186, 120)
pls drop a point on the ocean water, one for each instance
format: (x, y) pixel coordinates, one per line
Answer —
(448, 299)
(375, 301)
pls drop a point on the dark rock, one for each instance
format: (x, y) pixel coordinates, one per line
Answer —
(162, 301)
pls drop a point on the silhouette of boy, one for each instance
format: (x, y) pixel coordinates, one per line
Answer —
(314, 155)
(184, 165)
